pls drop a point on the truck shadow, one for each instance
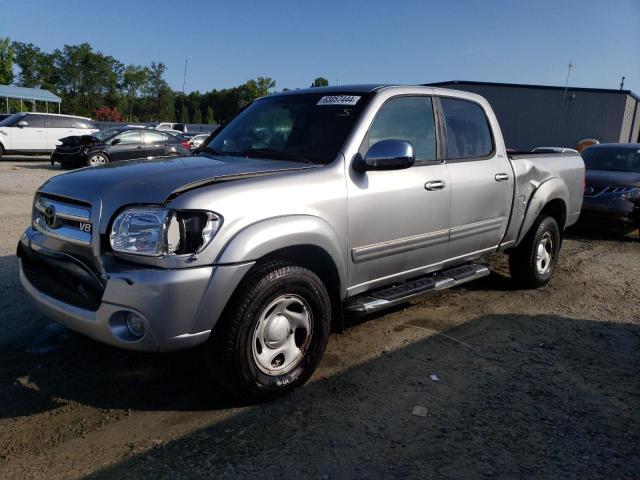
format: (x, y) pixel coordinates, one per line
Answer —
(516, 396)
(521, 396)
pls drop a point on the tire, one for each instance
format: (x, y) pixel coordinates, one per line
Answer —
(1, 150)
(534, 261)
(97, 159)
(260, 321)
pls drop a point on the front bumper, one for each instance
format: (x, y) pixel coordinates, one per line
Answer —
(178, 307)
(73, 159)
(610, 212)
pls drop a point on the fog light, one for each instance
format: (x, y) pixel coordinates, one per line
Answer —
(135, 325)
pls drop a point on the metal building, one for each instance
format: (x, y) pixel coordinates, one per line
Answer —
(544, 116)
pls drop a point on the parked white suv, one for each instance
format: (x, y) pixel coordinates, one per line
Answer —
(31, 132)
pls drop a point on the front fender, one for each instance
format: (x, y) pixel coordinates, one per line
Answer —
(552, 189)
(267, 236)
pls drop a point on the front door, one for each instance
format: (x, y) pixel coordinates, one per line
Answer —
(481, 180)
(31, 137)
(398, 220)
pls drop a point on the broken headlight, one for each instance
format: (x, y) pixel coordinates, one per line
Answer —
(155, 231)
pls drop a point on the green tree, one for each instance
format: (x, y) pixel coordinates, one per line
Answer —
(184, 114)
(197, 115)
(210, 119)
(258, 88)
(6, 61)
(133, 78)
(320, 82)
(157, 88)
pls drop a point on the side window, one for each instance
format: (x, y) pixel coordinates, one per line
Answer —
(80, 123)
(405, 118)
(131, 137)
(59, 122)
(35, 121)
(466, 128)
(154, 137)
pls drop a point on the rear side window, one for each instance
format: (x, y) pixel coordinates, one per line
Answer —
(155, 137)
(466, 128)
(130, 137)
(405, 118)
(81, 123)
(59, 122)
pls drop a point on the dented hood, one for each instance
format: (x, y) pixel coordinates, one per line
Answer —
(113, 186)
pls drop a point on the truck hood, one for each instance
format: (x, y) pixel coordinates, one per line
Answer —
(113, 186)
(608, 178)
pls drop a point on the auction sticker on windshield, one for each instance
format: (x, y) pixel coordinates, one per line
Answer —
(339, 100)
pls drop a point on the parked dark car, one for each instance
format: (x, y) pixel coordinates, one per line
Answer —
(612, 190)
(116, 144)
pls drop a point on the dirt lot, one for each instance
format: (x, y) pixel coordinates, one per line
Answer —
(532, 384)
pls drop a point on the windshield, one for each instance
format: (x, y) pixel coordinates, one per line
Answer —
(102, 135)
(617, 159)
(10, 120)
(304, 128)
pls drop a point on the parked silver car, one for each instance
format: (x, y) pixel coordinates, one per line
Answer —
(306, 205)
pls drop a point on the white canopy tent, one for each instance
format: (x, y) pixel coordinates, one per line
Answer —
(32, 95)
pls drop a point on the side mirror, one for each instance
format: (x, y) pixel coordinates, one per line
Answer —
(23, 123)
(116, 141)
(387, 155)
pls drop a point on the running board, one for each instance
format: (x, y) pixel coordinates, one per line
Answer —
(376, 300)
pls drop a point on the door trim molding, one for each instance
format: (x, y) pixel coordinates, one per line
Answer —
(476, 228)
(400, 245)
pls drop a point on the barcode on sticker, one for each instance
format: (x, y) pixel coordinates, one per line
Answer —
(339, 100)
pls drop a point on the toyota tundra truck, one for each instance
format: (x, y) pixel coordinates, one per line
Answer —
(307, 206)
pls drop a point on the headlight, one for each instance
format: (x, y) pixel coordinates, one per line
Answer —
(155, 231)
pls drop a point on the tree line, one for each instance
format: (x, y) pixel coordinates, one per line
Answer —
(96, 85)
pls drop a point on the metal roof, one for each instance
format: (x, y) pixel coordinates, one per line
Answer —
(541, 87)
(11, 91)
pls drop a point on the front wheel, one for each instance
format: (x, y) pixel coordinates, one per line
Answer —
(534, 261)
(96, 159)
(273, 334)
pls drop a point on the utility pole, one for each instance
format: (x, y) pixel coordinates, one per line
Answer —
(622, 83)
(184, 78)
(566, 84)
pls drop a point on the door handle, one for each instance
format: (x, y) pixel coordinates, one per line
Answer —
(435, 185)
(501, 177)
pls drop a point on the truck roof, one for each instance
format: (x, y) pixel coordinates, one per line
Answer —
(364, 88)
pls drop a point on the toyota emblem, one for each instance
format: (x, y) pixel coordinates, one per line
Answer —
(50, 216)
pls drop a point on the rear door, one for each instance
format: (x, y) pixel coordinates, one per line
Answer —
(32, 137)
(155, 144)
(129, 146)
(481, 179)
(57, 128)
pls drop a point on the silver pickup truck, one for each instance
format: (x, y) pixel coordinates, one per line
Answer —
(307, 206)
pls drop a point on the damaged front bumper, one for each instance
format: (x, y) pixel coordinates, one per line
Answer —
(176, 307)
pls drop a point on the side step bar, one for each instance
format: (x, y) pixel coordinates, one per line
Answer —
(376, 300)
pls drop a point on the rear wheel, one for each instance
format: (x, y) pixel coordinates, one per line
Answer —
(534, 261)
(96, 159)
(1, 150)
(272, 335)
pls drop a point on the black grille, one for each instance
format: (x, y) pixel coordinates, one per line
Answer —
(60, 285)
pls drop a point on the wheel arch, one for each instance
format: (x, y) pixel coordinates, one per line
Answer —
(550, 198)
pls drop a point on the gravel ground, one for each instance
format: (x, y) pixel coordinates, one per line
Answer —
(528, 384)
